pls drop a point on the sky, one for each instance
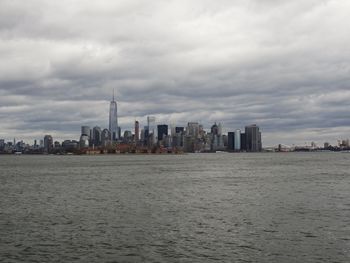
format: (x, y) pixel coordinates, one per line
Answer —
(283, 65)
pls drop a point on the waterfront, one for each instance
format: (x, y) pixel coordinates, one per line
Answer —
(291, 207)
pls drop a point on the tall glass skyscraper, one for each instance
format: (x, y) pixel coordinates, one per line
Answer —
(162, 131)
(237, 140)
(137, 131)
(152, 128)
(253, 138)
(113, 120)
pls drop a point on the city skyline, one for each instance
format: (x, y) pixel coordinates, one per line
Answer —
(113, 114)
(232, 62)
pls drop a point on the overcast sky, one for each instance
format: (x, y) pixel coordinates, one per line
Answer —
(283, 65)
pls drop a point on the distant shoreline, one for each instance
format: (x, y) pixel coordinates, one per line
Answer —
(164, 154)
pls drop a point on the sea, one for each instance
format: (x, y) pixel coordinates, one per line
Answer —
(223, 207)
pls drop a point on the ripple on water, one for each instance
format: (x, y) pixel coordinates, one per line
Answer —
(190, 208)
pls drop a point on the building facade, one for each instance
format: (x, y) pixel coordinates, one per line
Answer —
(96, 136)
(231, 141)
(253, 138)
(48, 143)
(105, 138)
(137, 131)
(113, 120)
(152, 129)
(85, 130)
(237, 140)
(162, 131)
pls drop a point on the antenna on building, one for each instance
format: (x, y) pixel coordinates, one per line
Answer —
(113, 93)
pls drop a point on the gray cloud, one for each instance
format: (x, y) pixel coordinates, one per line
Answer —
(281, 64)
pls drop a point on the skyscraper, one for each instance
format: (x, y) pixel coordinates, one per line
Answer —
(214, 129)
(237, 140)
(105, 137)
(96, 136)
(243, 142)
(253, 138)
(137, 131)
(127, 136)
(152, 129)
(220, 129)
(146, 132)
(48, 143)
(179, 129)
(2, 144)
(231, 141)
(113, 120)
(217, 141)
(162, 131)
(85, 130)
(193, 129)
(84, 141)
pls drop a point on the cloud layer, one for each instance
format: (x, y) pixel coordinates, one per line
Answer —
(281, 64)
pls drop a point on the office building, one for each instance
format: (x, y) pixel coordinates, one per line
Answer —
(70, 145)
(152, 129)
(179, 130)
(243, 142)
(127, 138)
(84, 141)
(113, 120)
(105, 137)
(193, 129)
(237, 140)
(220, 129)
(217, 140)
(189, 144)
(48, 143)
(142, 136)
(253, 138)
(162, 131)
(145, 135)
(96, 136)
(137, 131)
(2, 144)
(178, 140)
(214, 130)
(231, 141)
(85, 130)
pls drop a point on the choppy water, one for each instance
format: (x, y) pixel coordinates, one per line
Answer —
(190, 208)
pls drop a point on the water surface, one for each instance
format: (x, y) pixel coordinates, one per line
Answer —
(175, 208)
